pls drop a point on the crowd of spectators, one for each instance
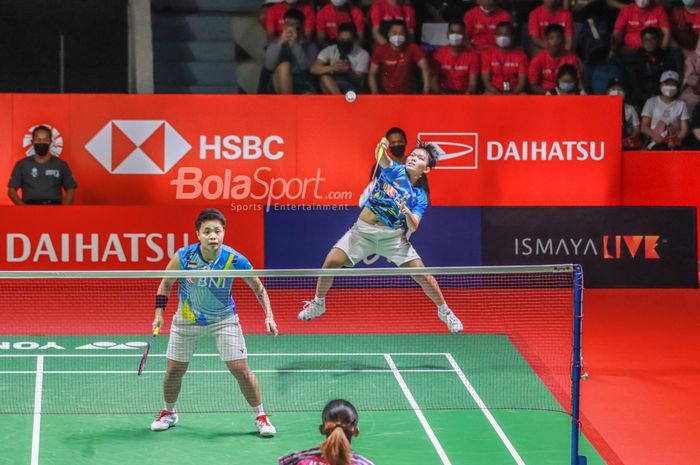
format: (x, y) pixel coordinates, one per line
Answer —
(643, 50)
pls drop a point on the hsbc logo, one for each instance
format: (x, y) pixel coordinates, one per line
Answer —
(456, 150)
(138, 146)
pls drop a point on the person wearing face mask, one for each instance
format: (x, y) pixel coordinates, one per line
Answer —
(41, 177)
(480, 23)
(342, 67)
(504, 67)
(543, 68)
(646, 66)
(685, 25)
(665, 117)
(567, 82)
(630, 118)
(393, 66)
(635, 17)
(384, 12)
(457, 68)
(550, 12)
(331, 16)
(274, 19)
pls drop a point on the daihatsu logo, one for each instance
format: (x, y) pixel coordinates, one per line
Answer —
(456, 150)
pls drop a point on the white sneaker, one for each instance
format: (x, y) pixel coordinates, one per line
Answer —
(312, 309)
(164, 420)
(450, 319)
(264, 426)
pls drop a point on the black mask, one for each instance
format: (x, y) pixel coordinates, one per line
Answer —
(398, 150)
(41, 149)
(345, 47)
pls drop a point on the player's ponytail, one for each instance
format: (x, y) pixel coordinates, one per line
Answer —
(336, 448)
(339, 426)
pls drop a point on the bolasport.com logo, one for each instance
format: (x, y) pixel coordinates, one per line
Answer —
(154, 147)
(460, 150)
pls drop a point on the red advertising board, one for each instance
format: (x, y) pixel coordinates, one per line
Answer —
(112, 238)
(317, 150)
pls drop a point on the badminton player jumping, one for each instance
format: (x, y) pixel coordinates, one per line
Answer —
(396, 204)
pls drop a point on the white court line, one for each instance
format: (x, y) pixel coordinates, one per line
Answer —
(308, 354)
(36, 430)
(417, 410)
(485, 410)
(107, 372)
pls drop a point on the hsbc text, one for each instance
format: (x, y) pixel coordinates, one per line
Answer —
(241, 147)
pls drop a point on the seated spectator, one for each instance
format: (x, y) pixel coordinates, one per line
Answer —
(339, 425)
(289, 57)
(457, 68)
(592, 26)
(665, 117)
(41, 177)
(630, 118)
(692, 141)
(550, 12)
(393, 65)
(504, 67)
(568, 82)
(690, 90)
(646, 66)
(685, 24)
(480, 23)
(343, 66)
(601, 68)
(330, 17)
(275, 17)
(544, 66)
(384, 12)
(634, 18)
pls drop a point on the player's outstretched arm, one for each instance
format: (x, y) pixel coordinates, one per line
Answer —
(163, 292)
(261, 294)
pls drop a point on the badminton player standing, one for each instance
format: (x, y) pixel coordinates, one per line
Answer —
(206, 308)
(395, 205)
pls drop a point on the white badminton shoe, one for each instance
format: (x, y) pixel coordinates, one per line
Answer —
(264, 426)
(164, 420)
(450, 319)
(312, 309)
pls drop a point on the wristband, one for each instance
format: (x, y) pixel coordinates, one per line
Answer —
(161, 301)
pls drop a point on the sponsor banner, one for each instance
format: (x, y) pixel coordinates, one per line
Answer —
(617, 246)
(317, 150)
(112, 238)
(301, 237)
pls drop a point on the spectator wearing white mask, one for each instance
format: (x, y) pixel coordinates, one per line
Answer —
(637, 16)
(394, 65)
(665, 117)
(504, 67)
(456, 67)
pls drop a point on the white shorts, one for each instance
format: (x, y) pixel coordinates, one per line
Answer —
(184, 335)
(364, 239)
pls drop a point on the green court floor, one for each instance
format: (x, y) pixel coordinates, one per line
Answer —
(423, 399)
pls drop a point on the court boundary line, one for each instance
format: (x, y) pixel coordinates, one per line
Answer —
(117, 372)
(36, 427)
(283, 354)
(484, 409)
(417, 410)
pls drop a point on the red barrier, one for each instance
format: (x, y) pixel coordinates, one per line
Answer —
(113, 238)
(198, 150)
(661, 178)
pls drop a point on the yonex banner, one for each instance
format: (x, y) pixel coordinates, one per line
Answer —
(617, 246)
(262, 151)
(99, 238)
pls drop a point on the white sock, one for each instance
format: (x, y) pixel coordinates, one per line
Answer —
(320, 300)
(259, 410)
(443, 307)
(170, 407)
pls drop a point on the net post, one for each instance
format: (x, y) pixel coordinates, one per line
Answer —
(576, 365)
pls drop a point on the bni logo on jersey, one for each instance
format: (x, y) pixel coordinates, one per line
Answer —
(456, 150)
(138, 146)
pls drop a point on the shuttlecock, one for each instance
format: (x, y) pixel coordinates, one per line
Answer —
(350, 96)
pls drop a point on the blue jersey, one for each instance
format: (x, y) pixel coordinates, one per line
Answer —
(208, 300)
(394, 185)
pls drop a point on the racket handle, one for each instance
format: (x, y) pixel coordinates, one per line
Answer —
(156, 330)
(381, 148)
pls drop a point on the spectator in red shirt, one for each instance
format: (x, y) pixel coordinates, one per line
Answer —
(544, 66)
(550, 12)
(393, 65)
(274, 19)
(457, 68)
(504, 67)
(333, 15)
(638, 16)
(383, 12)
(685, 24)
(480, 23)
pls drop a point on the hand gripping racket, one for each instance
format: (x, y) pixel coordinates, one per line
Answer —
(151, 340)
